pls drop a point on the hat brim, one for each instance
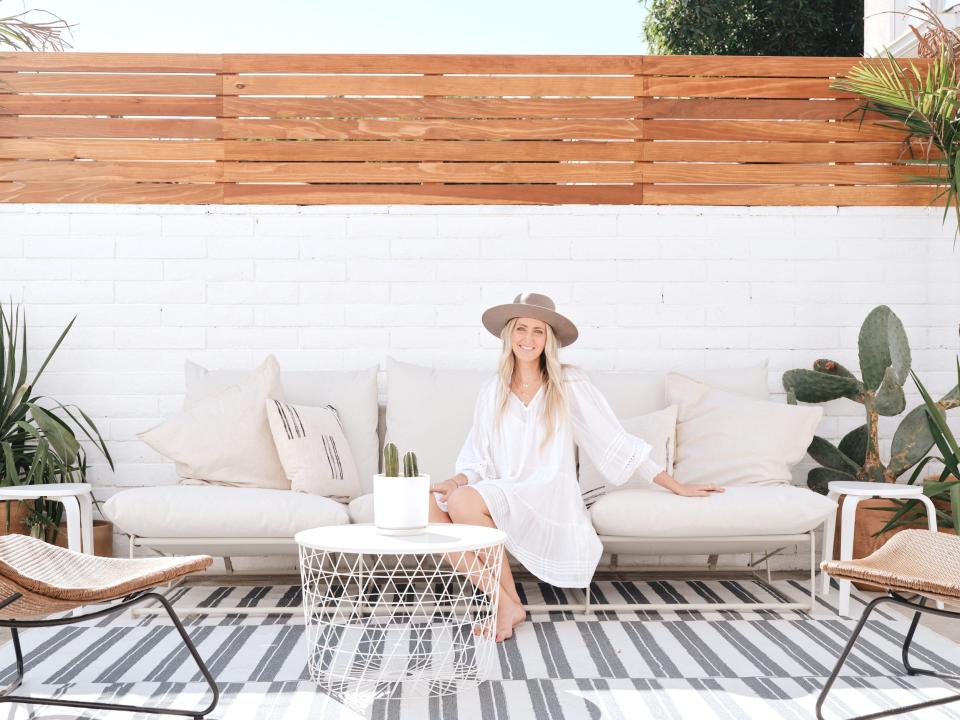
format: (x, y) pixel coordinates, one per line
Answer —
(499, 315)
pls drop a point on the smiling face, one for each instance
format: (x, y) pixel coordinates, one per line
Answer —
(528, 338)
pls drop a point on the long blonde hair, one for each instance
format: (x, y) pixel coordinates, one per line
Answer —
(551, 372)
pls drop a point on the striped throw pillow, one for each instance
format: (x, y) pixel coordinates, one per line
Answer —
(313, 450)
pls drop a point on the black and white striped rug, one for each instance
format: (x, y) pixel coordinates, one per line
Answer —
(621, 666)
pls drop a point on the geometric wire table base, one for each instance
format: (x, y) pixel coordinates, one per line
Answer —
(425, 619)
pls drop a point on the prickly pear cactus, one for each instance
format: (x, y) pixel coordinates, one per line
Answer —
(391, 465)
(884, 354)
(410, 468)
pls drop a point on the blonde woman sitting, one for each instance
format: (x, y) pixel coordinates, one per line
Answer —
(517, 468)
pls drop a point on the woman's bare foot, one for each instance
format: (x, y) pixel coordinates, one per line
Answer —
(509, 615)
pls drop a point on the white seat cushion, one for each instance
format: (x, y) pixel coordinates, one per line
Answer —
(750, 510)
(208, 511)
(352, 393)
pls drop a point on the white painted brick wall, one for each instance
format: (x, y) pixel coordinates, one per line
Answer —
(346, 286)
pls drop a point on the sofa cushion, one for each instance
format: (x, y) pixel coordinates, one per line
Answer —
(658, 429)
(313, 450)
(361, 509)
(429, 411)
(632, 394)
(352, 392)
(223, 438)
(728, 439)
(751, 510)
(208, 511)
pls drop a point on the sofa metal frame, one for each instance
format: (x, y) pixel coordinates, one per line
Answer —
(771, 544)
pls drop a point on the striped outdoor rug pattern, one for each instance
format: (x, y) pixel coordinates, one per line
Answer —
(727, 665)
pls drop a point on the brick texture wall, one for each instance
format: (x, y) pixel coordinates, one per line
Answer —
(345, 286)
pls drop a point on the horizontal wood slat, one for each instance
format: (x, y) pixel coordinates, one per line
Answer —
(513, 129)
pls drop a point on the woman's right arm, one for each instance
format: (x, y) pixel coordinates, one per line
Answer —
(472, 461)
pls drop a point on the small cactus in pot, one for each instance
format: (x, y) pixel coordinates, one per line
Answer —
(400, 501)
(391, 466)
(884, 354)
(410, 468)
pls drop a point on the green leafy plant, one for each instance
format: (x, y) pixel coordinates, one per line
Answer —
(884, 354)
(38, 444)
(754, 27)
(945, 490)
(923, 99)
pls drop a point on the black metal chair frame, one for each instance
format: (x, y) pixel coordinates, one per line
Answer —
(919, 607)
(7, 696)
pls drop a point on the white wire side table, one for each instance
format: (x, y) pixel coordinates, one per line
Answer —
(411, 614)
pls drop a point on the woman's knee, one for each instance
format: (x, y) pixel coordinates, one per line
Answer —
(464, 504)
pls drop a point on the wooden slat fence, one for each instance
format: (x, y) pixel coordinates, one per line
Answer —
(314, 129)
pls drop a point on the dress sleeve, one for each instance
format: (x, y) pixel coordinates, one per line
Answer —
(473, 460)
(597, 432)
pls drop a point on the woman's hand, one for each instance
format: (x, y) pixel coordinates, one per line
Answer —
(696, 490)
(666, 480)
(449, 485)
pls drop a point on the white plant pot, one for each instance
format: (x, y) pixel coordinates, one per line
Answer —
(401, 505)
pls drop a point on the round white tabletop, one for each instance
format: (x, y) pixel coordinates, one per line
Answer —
(53, 490)
(875, 489)
(364, 538)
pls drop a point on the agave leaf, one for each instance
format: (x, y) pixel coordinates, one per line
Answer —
(62, 441)
(10, 468)
(955, 506)
(55, 347)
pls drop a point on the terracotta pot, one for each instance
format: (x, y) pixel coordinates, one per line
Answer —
(18, 511)
(102, 529)
(102, 537)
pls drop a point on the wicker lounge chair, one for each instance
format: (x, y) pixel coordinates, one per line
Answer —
(913, 567)
(38, 579)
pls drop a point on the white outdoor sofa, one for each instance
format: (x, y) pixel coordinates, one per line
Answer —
(430, 411)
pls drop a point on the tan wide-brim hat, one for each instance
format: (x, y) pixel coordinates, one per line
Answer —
(532, 305)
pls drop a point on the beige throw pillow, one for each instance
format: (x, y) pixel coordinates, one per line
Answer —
(313, 450)
(659, 429)
(224, 438)
(729, 439)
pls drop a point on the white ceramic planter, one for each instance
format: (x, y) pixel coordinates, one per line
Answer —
(401, 505)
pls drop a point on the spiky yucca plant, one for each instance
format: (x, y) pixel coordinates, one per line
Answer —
(923, 100)
(37, 445)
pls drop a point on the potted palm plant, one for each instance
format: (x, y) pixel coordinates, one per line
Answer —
(400, 503)
(38, 441)
(922, 98)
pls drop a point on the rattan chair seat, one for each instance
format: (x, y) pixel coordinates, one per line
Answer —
(52, 579)
(920, 561)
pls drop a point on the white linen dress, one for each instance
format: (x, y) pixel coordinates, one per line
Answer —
(532, 493)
